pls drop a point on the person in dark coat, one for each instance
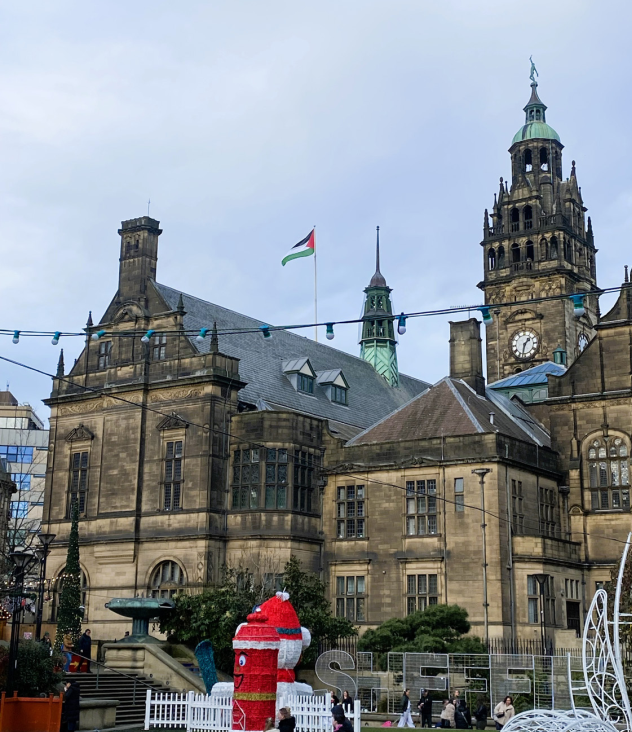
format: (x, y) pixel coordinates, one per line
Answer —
(287, 723)
(347, 702)
(70, 709)
(480, 715)
(85, 648)
(425, 708)
(460, 706)
(340, 722)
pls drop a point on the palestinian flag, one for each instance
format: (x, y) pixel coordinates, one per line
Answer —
(304, 248)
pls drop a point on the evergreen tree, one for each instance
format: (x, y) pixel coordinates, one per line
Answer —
(69, 616)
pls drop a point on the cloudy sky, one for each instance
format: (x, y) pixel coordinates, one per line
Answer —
(247, 122)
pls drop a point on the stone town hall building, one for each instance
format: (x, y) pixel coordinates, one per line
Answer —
(185, 455)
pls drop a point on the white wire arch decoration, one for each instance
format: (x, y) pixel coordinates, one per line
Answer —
(604, 681)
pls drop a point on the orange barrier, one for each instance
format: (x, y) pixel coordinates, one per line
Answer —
(30, 714)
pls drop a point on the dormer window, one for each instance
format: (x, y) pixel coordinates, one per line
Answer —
(335, 385)
(300, 374)
(339, 395)
(306, 384)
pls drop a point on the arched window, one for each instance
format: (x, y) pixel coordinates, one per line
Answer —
(609, 473)
(528, 161)
(531, 115)
(527, 213)
(501, 257)
(136, 244)
(515, 252)
(544, 159)
(538, 114)
(553, 250)
(529, 252)
(491, 259)
(568, 251)
(515, 219)
(58, 587)
(543, 250)
(167, 580)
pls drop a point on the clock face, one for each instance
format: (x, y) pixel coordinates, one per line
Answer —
(582, 341)
(524, 343)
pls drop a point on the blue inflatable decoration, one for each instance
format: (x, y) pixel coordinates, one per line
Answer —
(206, 662)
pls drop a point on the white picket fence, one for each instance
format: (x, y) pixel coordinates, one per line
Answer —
(201, 712)
(189, 711)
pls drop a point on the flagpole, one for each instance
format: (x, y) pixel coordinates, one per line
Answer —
(315, 291)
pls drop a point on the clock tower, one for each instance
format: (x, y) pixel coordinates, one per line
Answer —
(536, 245)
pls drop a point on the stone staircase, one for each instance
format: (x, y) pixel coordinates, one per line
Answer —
(131, 710)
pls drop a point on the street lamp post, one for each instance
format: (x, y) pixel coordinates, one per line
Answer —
(482, 472)
(45, 540)
(21, 560)
(542, 579)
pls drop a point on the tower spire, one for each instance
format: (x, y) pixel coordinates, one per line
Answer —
(60, 365)
(378, 278)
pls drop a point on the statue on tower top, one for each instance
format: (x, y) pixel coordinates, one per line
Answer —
(534, 72)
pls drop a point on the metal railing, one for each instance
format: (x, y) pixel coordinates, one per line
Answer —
(99, 664)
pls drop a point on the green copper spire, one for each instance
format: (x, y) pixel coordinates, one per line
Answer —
(377, 344)
(535, 126)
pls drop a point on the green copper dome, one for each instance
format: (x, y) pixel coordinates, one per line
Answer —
(535, 126)
(535, 131)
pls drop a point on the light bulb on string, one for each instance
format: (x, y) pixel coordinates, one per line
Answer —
(16, 336)
(487, 315)
(201, 335)
(97, 335)
(578, 305)
(147, 337)
(265, 329)
(401, 324)
(56, 337)
(330, 331)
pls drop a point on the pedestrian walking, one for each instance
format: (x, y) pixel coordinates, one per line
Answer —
(480, 715)
(425, 708)
(85, 648)
(503, 712)
(405, 719)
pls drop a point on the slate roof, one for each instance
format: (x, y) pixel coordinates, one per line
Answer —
(452, 408)
(531, 377)
(261, 360)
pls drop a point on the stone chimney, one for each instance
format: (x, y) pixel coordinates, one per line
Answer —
(466, 355)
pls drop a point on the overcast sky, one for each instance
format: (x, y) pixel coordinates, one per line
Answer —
(247, 122)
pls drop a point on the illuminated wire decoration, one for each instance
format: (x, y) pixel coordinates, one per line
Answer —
(604, 681)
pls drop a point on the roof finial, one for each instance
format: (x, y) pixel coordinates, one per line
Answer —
(60, 366)
(89, 324)
(627, 278)
(534, 72)
(180, 306)
(214, 348)
(378, 278)
(573, 175)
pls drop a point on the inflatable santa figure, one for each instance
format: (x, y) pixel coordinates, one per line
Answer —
(256, 645)
(294, 639)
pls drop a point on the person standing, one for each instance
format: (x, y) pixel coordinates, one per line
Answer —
(425, 708)
(447, 715)
(503, 712)
(347, 702)
(340, 722)
(405, 719)
(70, 709)
(287, 723)
(480, 715)
(85, 648)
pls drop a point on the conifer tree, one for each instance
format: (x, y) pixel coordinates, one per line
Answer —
(69, 616)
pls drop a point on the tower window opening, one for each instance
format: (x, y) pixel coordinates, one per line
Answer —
(528, 161)
(537, 114)
(528, 217)
(530, 255)
(531, 115)
(515, 219)
(544, 159)
(543, 250)
(501, 256)
(137, 244)
(491, 259)
(568, 251)
(553, 250)
(515, 252)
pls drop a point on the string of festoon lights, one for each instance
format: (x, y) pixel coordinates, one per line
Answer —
(267, 330)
